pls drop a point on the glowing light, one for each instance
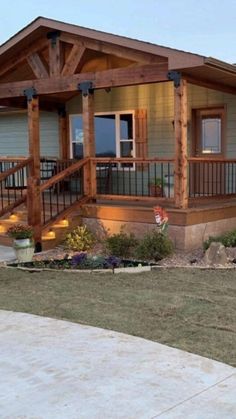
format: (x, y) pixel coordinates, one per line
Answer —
(13, 217)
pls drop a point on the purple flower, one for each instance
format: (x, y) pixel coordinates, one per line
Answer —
(112, 262)
(78, 259)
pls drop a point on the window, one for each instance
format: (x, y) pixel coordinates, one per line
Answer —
(114, 135)
(209, 132)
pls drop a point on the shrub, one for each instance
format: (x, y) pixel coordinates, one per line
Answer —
(154, 246)
(227, 239)
(121, 244)
(79, 239)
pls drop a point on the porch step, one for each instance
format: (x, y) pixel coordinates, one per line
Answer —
(52, 236)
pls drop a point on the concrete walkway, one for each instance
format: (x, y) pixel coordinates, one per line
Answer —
(51, 369)
(6, 254)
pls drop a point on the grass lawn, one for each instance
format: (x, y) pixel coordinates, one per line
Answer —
(193, 310)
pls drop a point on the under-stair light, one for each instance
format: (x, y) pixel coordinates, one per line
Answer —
(64, 222)
(51, 234)
(13, 217)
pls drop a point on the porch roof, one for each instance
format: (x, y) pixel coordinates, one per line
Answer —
(197, 69)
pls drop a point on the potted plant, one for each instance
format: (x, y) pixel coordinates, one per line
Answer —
(156, 187)
(23, 241)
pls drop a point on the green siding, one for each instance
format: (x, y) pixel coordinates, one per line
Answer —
(158, 99)
(14, 134)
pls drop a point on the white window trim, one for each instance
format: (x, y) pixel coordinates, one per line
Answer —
(117, 129)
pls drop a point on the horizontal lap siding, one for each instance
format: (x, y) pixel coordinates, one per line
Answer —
(158, 99)
(200, 97)
(14, 134)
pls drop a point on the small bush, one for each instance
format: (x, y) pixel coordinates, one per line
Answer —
(80, 239)
(121, 244)
(227, 239)
(154, 246)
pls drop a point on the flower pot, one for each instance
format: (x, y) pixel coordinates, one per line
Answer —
(22, 242)
(156, 190)
(24, 250)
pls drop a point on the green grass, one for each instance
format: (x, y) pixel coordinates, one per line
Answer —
(193, 310)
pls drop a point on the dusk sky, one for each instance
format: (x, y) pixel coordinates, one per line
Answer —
(204, 27)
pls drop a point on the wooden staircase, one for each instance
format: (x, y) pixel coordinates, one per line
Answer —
(52, 235)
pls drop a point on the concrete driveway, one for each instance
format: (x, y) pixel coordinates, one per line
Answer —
(60, 370)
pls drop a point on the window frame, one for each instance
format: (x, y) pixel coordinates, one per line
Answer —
(117, 131)
(198, 115)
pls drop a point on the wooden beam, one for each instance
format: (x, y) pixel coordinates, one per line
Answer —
(54, 57)
(73, 60)
(181, 160)
(37, 66)
(33, 185)
(211, 85)
(101, 79)
(13, 62)
(63, 135)
(118, 51)
(89, 140)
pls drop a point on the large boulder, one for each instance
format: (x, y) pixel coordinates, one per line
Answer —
(216, 255)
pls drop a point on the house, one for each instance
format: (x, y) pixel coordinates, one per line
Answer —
(89, 121)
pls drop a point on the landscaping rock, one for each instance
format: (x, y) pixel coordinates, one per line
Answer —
(216, 255)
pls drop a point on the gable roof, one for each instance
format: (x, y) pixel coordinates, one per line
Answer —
(41, 25)
(193, 66)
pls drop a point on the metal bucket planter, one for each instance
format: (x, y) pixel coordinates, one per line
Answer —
(24, 250)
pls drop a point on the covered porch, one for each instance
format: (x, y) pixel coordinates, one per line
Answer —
(61, 63)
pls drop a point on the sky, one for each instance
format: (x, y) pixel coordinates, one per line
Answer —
(206, 27)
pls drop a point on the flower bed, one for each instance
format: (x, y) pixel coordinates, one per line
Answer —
(82, 261)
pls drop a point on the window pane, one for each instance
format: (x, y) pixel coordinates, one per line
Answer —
(105, 135)
(126, 127)
(126, 149)
(77, 128)
(211, 135)
(77, 150)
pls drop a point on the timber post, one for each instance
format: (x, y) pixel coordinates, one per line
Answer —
(33, 185)
(63, 136)
(180, 127)
(86, 89)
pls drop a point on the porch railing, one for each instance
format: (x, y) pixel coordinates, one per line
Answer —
(133, 177)
(13, 183)
(211, 177)
(62, 190)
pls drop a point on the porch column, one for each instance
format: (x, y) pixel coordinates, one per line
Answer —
(63, 134)
(33, 186)
(89, 137)
(180, 124)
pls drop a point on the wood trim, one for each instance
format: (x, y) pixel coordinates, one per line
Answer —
(197, 113)
(100, 79)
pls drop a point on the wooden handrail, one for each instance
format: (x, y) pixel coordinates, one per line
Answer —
(15, 169)
(63, 174)
(129, 160)
(12, 159)
(210, 160)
